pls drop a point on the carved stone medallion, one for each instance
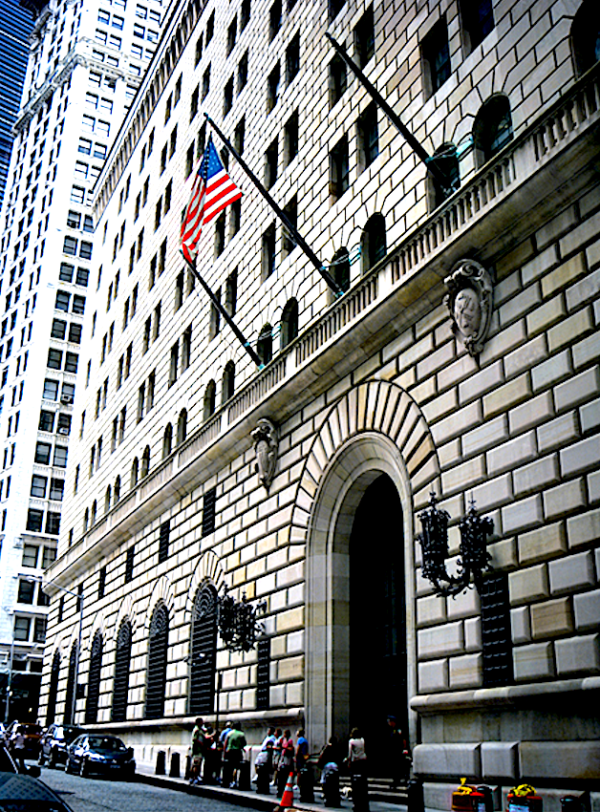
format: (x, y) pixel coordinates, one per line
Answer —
(469, 301)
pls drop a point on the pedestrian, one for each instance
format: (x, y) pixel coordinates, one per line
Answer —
(197, 750)
(276, 754)
(18, 747)
(357, 762)
(303, 771)
(286, 761)
(225, 768)
(398, 753)
(209, 754)
(235, 749)
(264, 762)
(329, 764)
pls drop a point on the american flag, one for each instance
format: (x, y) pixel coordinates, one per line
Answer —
(213, 191)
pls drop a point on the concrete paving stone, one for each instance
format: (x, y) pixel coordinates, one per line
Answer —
(583, 529)
(522, 514)
(551, 619)
(507, 396)
(512, 453)
(557, 433)
(562, 334)
(545, 542)
(580, 457)
(564, 275)
(549, 372)
(520, 624)
(533, 662)
(465, 671)
(572, 573)
(586, 607)
(536, 475)
(564, 499)
(528, 584)
(539, 265)
(433, 676)
(584, 291)
(578, 654)
(533, 412)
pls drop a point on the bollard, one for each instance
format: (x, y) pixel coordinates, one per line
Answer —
(415, 800)
(523, 799)
(174, 772)
(244, 776)
(161, 758)
(574, 803)
(486, 803)
(188, 767)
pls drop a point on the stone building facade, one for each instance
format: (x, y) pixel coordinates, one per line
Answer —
(376, 398)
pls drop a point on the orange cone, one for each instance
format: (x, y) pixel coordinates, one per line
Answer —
(287, 802)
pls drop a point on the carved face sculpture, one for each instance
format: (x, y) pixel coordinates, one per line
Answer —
(467, 312)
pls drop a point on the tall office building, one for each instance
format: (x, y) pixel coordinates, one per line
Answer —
(85, 64)
(16, 23)
(458, 354)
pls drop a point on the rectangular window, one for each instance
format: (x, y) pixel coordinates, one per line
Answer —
(209, 512)
(174, 363)
(50, 390)
(60, 456)
(291, 212)
(275, 19)
(35, 520)
(163, 541)
(53, 523)
(141, 402)
(46, 421)
(186, 349)
(338, 79)
(368, 140)
(268, 252)
(477, 20)
(231, 35)
(30, 555)
(339, 168)
(273, 81)
(271, 162)
(364, 38)
(290, 133)
(42, 453)
(206, 83)
(435, 53)
(194, 102)
(242, 73)
(496, 639)
(101, 582)
(228, 96)
(129, 565)
(39, 485)
(292, 58)
(22, 628)
(57, 487)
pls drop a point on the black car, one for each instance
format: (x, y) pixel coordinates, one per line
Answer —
(27, 794)
(95, 753)
(54, 743)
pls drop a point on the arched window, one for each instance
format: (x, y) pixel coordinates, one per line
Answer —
(204, 651)
(585, 36)
(492, 129)
(145, 462)
(117, 490)
(157, 663)
(167, 441)
(228, 382)
(121, 675)
(107, 499)
(210, 399)
(86, 520)
(289, 323)
(373, 245)
(340, 268)
(53, 689)
(68, 712)
(94, 513)
(264, 345)
(182, 426)
(446, 162)
(135, 472)
(93, 692)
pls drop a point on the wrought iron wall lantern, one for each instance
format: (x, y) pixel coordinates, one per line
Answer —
(474, 557)
(238, 622)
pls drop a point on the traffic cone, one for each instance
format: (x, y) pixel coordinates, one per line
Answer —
(287, 801)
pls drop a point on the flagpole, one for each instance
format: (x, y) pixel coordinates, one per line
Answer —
(421, 153)
(222, 310)
(280, 213)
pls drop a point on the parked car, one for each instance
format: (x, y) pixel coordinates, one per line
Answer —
(32, 733)
(27, 794)
(54, 743)
(93, 752)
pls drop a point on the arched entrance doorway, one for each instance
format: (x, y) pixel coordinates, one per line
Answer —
(378, 663)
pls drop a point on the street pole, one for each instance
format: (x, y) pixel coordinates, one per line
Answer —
(9, 679)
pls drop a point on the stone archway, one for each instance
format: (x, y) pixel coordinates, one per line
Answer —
(375, 430)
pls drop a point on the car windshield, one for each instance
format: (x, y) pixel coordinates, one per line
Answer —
(105, 743)
(68, 734)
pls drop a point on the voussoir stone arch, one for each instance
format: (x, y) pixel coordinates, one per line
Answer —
(208, 570)
(126, 612)
(99, 625)
(378, 407)
(164, 593)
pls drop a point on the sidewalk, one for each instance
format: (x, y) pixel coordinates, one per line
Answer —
(250, 800)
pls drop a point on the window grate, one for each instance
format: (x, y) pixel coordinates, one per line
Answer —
(157, 663)
(204, 652)
(263, 673)
(93, 694)
(496, 631)
(163, 541)
(121, 676)
(68, 712)
(53, 689)
(209, 512)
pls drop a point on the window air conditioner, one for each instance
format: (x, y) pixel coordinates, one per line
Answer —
(66, 399)
(63, 430)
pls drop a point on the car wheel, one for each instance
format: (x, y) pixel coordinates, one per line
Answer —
(83, 768)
